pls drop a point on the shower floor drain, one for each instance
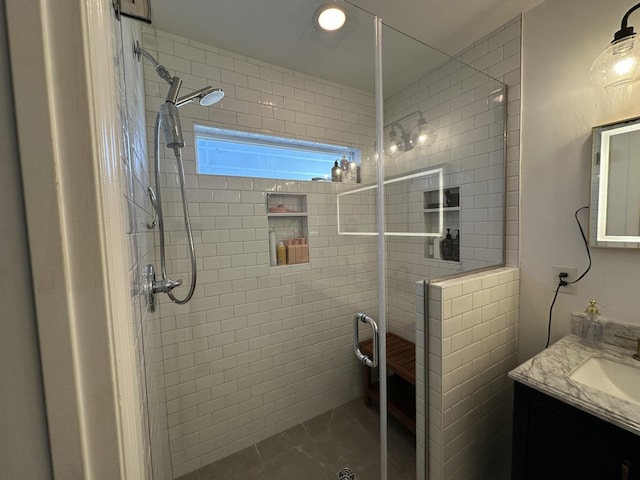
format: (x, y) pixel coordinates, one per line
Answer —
(346, 474)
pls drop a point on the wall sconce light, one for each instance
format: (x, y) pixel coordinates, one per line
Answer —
(422, 135)
(398, 143)
(619, 63)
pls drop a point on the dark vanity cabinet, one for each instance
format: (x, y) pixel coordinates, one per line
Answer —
(554, 440)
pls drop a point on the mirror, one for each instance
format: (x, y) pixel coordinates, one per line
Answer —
(615, 185)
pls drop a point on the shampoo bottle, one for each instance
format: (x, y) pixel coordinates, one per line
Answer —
(455, 247)
(352, 171)
(281, 252)
(445, 246)
(591, 329)
(273, 255)
(336, 173)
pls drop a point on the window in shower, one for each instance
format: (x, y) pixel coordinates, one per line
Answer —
(230, 152)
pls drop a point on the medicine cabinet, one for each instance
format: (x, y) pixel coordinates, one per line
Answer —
(614, 219)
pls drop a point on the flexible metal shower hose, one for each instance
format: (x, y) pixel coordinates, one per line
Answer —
(185, 212)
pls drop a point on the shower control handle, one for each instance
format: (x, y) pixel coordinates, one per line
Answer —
(151, 286)
(364, 359)
(165, 286)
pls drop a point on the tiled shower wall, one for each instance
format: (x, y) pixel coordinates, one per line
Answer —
(258, 349)
(498, 55)
(141, 251)
(473, 343)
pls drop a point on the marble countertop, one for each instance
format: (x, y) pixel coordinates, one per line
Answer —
(548, 372)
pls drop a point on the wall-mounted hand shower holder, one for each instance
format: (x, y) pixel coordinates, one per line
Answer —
(154, 204)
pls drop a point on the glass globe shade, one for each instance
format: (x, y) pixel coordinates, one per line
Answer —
(422, 135)
(618, 64)
(395, 144)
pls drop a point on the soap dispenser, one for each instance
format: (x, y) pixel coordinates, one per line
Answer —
(445, 246)
(336, 172)
(591, 329)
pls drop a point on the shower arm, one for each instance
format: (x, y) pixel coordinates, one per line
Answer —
(174, 82)
(161, 70)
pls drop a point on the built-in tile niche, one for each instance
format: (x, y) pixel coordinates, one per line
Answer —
(288, 229)
(448, 201)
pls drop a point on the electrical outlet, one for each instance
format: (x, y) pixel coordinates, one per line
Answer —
(573, 274)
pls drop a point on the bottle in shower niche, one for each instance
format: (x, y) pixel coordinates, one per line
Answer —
(445, 246)
(281, 252)
(303, 250)
(292, 251)
(273, 254)
(455, 247)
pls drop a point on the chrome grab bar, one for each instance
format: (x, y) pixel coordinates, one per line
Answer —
(362, 358)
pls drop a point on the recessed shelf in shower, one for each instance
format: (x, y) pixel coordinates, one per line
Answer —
(287, 222)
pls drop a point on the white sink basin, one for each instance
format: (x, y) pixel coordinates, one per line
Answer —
(609, 376)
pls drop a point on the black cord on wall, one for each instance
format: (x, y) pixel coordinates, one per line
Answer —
(561, 277)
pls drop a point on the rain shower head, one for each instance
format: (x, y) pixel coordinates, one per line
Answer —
(206, 96)
(213, 97)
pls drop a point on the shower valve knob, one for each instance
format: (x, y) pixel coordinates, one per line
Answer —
(165, 286)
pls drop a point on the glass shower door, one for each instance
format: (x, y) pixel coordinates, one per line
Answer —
(261, 378)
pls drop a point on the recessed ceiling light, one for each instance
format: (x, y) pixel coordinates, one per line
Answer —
(330, 17)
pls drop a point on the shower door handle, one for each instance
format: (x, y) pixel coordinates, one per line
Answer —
(362, 358)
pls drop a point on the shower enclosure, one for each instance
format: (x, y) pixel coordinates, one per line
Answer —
(256, 374)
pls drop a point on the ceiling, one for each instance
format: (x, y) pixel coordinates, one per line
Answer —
(281, 32)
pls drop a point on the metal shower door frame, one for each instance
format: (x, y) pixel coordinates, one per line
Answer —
(381, 250)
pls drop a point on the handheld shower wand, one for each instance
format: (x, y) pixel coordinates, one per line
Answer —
(169, 119)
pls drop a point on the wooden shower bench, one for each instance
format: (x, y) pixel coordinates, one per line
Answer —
(401, 380)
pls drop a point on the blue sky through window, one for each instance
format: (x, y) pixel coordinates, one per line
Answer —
(226, 152)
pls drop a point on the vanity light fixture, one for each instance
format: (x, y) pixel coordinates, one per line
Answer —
(619, 63)
(397, 143)
(408, 139)
(423, 134)
(330, 17)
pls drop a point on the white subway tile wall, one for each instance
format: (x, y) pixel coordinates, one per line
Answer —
(258, 349)
(138, 212)
(499, 55)
(473, 340)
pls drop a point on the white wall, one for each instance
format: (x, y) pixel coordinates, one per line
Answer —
(24, 441)
(559, 107)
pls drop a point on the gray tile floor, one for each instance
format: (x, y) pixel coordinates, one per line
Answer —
(317, 449)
